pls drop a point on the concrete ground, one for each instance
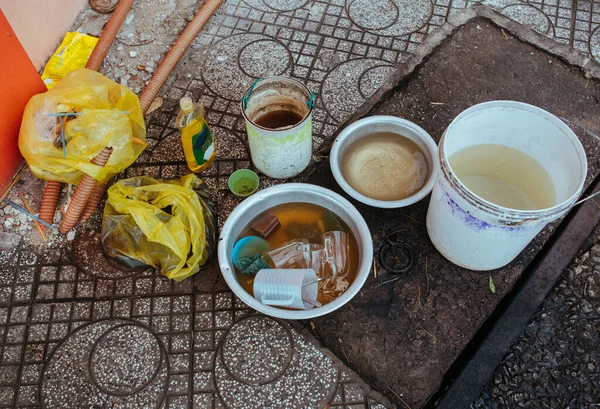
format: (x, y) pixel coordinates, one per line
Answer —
(421, 320)
(76, 335)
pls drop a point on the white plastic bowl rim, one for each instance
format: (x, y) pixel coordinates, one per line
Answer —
(290, 193)
(392, 124)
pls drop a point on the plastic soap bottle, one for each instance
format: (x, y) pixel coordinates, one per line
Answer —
(197, 140)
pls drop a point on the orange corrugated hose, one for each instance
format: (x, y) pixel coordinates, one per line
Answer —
(49, 201)
(82, 193)
(52, 190)
(176, 52)
(157, 81)
(93, 201)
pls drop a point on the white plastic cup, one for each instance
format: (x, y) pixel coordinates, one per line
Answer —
(479, 235)
(283, 152)
(284, 288)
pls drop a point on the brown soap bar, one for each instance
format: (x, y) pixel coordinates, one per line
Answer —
(266, 224)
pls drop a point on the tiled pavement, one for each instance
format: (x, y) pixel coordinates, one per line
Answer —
(74, 335)
(69, 339)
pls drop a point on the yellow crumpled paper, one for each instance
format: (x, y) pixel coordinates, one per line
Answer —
(168, 225)
(106, 114)
(74, 52)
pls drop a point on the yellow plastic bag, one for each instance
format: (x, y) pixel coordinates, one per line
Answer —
(168, 225)
(74, 52)
(98, 113)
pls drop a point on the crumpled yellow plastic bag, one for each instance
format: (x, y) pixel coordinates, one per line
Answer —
(108, 115)
(168, 225)
(74, 52)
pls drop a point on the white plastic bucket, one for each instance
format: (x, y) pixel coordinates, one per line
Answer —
(479, 235)
(283, 152)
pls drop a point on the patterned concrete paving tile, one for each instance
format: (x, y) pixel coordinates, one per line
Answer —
(551, 18)
(114, 362)
(52, 276)
(586, 34)
(74, 336)
(173, 351)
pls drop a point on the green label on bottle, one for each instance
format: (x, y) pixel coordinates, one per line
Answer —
(203, 145)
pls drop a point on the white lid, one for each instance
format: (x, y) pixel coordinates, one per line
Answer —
(186, 104)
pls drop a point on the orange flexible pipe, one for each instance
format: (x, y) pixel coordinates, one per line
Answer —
(52, 190)
(158, 80)
(93, 201)
(82, 194)
(176, 52)
(49, 201)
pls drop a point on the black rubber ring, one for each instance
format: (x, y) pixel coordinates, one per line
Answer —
(405, 248)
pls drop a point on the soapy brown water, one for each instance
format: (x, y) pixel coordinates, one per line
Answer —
(385, 166)
(291, 216)
(278, 119)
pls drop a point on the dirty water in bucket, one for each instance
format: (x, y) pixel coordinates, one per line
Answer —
(278, 116)
(504, 176)
(278, 119)
(532, 174)
(277, 103)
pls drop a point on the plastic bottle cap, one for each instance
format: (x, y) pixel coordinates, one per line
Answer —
(186, 104)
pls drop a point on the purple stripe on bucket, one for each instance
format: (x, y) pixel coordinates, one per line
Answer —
(472, 221)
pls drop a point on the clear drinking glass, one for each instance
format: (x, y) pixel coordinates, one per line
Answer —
(289, 255)
(337, 247)
(313, 256)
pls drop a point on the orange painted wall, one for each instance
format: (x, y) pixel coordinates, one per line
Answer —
(19, 81)
(41, 24)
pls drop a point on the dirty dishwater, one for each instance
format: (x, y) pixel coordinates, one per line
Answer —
(306, 222)
(504, 176)
(385, 166)
(278, 119)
